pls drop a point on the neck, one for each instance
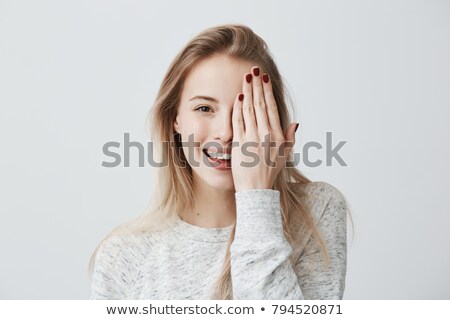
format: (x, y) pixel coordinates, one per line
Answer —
(213, 208)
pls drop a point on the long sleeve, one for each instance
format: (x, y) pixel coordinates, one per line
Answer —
(316, 281)
(260, 266)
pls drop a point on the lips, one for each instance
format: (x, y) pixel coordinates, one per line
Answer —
(218, 150)
(221, 164)
(220, 154)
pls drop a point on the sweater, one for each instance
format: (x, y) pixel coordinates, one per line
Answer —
(183, 261)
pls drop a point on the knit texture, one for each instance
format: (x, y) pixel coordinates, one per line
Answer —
(184, 261)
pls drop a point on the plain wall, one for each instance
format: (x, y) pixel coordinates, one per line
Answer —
(77, 74)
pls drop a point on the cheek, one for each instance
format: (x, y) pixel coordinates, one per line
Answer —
(197, 128)
(195, 137)
(200, 131)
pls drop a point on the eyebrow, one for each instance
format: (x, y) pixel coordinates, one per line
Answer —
(204, 98)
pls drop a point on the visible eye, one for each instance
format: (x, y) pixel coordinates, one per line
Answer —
(203, 108)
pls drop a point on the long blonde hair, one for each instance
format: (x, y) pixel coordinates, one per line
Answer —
(175, 183)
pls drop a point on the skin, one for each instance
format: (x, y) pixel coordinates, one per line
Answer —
(225, 122)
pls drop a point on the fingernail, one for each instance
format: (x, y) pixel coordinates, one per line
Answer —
(256, 71)
(296, 127)
(241, 97)
(265, 78)
(248, 77)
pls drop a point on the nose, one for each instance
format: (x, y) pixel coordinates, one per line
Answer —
(223, 130)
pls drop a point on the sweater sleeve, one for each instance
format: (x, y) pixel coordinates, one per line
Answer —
(112, 274)
(260, 266)
(317, 281)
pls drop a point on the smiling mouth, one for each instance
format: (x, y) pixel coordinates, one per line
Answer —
(217, 156)
(221, 163)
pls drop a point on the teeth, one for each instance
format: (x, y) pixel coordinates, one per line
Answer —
(222, 156)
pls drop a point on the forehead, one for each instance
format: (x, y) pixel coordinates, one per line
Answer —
(219, 76)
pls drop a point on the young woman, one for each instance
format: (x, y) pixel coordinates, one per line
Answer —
(223, 224)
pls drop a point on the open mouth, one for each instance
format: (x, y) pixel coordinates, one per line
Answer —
(223, 160)
(217, 156)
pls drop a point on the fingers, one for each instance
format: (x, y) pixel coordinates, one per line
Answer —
(259, 104)
(248, 111)
(272, 108)
(259, 109)
(237, 118)
(255, 113)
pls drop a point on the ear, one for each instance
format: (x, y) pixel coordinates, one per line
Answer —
(176, 126)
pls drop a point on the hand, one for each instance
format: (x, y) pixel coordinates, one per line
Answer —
(255, 120)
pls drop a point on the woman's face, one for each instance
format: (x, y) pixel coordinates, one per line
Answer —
(205, 113)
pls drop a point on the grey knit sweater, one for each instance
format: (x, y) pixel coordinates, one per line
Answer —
(184, 261)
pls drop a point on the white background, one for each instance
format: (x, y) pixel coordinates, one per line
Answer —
(77, 74)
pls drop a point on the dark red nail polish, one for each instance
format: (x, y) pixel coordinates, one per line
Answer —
(265, 78)
(241, 97)
(248, 78)
(256, 71)
(296, 127)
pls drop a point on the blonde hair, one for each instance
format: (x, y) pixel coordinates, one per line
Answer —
(175, 183)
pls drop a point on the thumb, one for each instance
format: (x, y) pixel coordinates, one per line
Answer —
(289, 138)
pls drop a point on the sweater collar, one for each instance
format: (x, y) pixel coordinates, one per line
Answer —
(200, 233)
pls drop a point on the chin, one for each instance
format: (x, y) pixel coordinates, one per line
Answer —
(224, 183)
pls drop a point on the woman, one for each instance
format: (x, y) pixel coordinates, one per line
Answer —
(225, 225)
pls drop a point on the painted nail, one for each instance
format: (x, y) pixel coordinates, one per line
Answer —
(241, 97)
(265, 78)
(296, 127)
(248, 78)
(256, 71)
